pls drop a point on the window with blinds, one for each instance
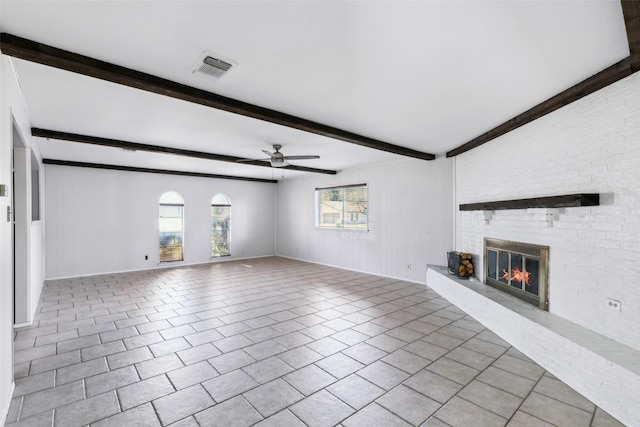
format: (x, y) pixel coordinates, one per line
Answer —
(342, 207)
(171, 226)
(220, 225)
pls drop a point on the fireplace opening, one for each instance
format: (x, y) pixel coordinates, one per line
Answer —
(520, 269)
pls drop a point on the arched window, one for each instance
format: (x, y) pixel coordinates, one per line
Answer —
(171, 227)
(220, 225)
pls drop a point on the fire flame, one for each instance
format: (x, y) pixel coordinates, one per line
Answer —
(516, 275)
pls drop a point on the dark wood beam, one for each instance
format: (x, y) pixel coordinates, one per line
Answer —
(594, 83)
(631, 12)
(147, 170)
(618, 71)
(564, 201)
(48, 55)
(135, 146)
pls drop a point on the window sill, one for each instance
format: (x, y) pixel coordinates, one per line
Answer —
(359, 230)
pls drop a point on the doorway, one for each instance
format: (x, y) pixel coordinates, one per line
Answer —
(21, 228)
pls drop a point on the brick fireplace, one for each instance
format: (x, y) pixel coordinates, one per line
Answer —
(589, 146)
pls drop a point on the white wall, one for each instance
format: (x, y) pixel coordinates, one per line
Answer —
(592, 145)
(13, 110)
(102, 221)
(410, 219)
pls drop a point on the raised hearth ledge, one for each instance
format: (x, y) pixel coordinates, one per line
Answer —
(601, 369)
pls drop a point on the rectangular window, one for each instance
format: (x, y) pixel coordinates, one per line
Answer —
(342, 207)
(171, 232)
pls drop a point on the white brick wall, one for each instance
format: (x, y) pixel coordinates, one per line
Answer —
(590, 146)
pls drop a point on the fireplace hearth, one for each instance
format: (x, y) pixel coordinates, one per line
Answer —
(520, 269)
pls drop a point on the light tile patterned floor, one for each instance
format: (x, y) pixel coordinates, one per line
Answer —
(273, 342)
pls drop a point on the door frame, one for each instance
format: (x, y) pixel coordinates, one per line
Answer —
(21, 228)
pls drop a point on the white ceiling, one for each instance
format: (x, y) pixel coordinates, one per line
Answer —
(427, 75)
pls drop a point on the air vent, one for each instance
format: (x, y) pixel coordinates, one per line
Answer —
(213, 67)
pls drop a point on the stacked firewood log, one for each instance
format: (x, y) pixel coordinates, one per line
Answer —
(466, 267)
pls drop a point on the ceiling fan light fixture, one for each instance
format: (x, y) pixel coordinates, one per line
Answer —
(279, 162)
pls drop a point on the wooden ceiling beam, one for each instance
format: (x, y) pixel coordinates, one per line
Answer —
(631, 12)
(592, 84)
(618, 71)
(135, 146)
(48, 55)
(148, 170)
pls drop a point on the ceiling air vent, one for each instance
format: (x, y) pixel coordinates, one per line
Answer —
(213, 67)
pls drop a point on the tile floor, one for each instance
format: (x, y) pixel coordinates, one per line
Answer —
(273, 342)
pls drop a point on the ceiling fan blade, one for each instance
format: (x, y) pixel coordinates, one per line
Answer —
(252, 160)
(301, 157)
(268, 153)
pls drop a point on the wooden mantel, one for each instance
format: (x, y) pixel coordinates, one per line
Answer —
(563, 201)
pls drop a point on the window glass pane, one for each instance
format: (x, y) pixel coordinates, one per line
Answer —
(532, 273)
(220, 199)
(492, 271)
(220, 225)
(342, 207)
(171, 227)
(171, 198)
(517, 275)
(329, 208)
(355, 207)
(220, 222)
(503, 267)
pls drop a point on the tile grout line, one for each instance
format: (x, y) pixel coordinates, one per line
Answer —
(383, 295)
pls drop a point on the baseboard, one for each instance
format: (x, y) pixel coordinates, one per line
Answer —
(176, 264)
(7, 404)
(353, 269)
(227, 259)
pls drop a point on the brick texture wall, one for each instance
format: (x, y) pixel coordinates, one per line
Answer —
(590, 146)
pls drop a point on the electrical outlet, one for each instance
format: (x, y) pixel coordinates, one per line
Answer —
(614, 304)
(146, 257)
(408, 266)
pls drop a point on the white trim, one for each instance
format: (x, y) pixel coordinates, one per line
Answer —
(275, 218)
(227, 259)
(20, 91)
(7, 404)
(454, 211)
(353, 269)
(23, 324)
(160, 267)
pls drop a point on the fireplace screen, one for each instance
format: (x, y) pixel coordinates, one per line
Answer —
(519, 269)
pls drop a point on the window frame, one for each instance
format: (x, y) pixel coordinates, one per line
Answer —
(182, 223)
(220, 205)
(344, 214)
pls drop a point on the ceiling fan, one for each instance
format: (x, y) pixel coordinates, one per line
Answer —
(279, 160)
